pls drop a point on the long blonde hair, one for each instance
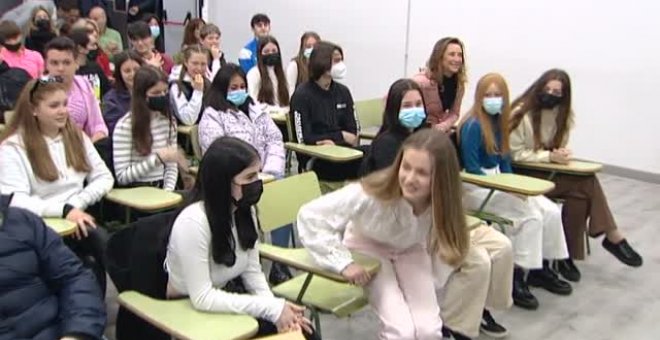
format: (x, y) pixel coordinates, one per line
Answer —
(449, 234)
(477, 111)
(434, 64)
(26, 124)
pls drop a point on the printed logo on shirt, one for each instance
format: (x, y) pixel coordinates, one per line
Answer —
(341, 106)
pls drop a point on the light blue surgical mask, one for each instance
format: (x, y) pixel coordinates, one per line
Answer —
(237, 97)
(307, 52)
(412, 117)
(493, 105)
(155, 31)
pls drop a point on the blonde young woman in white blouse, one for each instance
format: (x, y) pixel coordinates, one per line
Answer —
(407, 217)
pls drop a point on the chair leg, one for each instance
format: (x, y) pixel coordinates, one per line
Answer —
(317, 322)
(586, 238)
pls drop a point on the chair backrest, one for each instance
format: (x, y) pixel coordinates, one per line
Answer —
(9, 116)
(194, 142)
(281, 199)
(370, 112)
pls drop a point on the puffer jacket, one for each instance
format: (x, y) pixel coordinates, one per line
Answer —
(45, 293)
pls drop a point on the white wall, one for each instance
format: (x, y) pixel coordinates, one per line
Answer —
(610, 49)
(371, 32)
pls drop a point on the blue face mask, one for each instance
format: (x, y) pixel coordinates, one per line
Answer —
(412, 117)
(155, 31)
(307, 52)
(493, 105)
(237, 97)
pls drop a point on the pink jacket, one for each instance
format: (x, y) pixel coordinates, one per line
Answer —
(258, 129)
(436, 115)
(84, 109)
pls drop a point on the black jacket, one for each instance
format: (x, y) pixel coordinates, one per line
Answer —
(320, 114)
(45, 293)
(12, 81)
(383, 151)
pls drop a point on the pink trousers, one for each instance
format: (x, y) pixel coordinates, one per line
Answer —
(402, 293)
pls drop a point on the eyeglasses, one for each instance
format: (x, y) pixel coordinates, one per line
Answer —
(43, 80)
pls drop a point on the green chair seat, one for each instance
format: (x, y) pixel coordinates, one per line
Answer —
(340, 299)
(147, 199)
(179, 319)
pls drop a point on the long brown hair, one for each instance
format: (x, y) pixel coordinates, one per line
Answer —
(145, 78)
(301, 61)
(187, 53)
(477, 111)
(189, 37)
(267, 92)
(449, 234)
(528, 103)
(32, 26)
(434, 64)
(26, 124)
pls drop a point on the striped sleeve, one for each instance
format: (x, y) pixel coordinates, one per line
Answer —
(171, 169)
(129, 168)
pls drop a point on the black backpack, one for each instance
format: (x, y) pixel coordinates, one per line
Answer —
(12, 81)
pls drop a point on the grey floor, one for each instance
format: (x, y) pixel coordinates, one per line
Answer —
(612, 301)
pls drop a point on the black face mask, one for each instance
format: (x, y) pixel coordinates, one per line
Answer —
(12, 47)
(92, 55)
(251, 194)
(158, 103)
(42, 24)
(272, 59)
(548, 101)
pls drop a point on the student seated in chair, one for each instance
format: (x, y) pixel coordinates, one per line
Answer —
(389, 215)
(297, 72)
(187, 90)
(483, 280)
(53, 169)
(118, 100)
(144, 142)
(537, 233)
(260, 24)
(142, 41)
(231, 112)
(541, 123)
(443, 83)
(323, 111)
(84, 109)
(266, 81)
(46, 292)
(210, 38)
(212, 255)
(88, 68)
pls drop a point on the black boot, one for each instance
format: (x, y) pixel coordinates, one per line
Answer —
(567, 269)
(548, 280)
(278, 273)
(522, 297)
(448, 333)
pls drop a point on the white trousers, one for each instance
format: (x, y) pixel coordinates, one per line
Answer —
(537, 232)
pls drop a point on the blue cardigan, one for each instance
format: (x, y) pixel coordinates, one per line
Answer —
(473, 149)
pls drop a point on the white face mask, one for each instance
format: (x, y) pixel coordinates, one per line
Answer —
(338, 71)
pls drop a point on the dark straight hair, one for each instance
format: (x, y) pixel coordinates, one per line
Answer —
(393, 105)
(216, 95)
(145, 78)
(120, 58)
(267, 93)
(224, 159)
(320, 61)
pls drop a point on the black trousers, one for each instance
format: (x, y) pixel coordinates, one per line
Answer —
(91, 251)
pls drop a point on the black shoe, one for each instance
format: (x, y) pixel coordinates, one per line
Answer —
(448, 333)
(490, 327)
(567, 269)
(624, 252)
(522, 297)
(279, 273)
(548, 280)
